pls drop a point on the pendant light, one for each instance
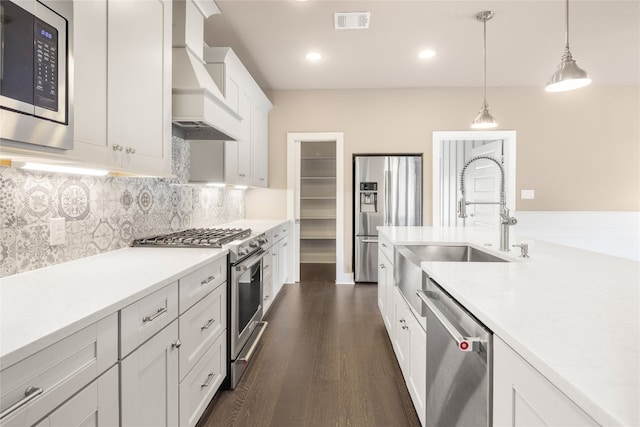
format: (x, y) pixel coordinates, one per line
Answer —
(484, 119)
(568, 76)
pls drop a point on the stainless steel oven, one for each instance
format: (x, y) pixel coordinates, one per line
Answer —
(245, 311)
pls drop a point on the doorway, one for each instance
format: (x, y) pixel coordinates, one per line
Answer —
(451, 150)
(315, 200)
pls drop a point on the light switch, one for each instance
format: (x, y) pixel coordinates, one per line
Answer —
(527, 194)
(57, 231)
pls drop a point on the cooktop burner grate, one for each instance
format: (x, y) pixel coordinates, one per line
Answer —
(195, 238)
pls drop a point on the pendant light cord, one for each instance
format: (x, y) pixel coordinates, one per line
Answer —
(567, 26)
(484, 51)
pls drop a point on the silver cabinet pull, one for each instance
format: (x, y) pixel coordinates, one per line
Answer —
(130, 150)
(207, 280)
(116, 147)
(242, 175)
(209, 323)
(153, 317)
(371, 241)
(464, 343)
(275, 236)
(176, 344)
(405, 327)
(29, 394)
(382, 266)
(383, 245)
(265, 267)
(285, 245)
(208, 380)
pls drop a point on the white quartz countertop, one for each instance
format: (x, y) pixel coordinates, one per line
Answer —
(40, 307)
(574, 315)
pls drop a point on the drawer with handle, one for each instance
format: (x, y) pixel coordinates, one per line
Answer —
(33, 387)
(144, 318)
(199, 386)
(386, 247)
(194, 286)
(200, 326)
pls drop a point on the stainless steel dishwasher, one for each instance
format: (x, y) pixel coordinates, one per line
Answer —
(459, 362)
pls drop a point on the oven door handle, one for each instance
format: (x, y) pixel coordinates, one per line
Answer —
(247, 263)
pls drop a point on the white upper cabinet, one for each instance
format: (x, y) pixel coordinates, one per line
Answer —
(123, 85)
(246, 160)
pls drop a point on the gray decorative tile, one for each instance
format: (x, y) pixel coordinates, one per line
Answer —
(103, 213)
(8, 264)
(74, 200)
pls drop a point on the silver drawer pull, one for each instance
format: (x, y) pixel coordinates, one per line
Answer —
(284, 245)
(383, 245)
(382, 266)
(153, 317)
(207, 381)
(209, 323)
(275, 237)
(176, 344)
(207, 280)
(29, 394)
(265, 267)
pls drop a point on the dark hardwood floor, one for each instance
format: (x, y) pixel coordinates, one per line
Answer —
(325, 360)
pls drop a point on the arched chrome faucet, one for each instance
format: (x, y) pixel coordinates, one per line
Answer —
(505, 219)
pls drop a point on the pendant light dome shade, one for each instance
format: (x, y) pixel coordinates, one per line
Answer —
(484, 119)
(568, 76)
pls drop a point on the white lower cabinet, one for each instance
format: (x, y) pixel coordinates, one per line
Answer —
(410, 346)
(56, 373)
(277, 258)
(96, 405)
(386, 302)
(524, 397)
(199, 386)
(149, 377)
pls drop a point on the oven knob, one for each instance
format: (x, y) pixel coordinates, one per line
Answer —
(242, 251)
(253, 245)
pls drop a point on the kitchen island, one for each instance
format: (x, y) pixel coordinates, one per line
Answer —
(573, 315)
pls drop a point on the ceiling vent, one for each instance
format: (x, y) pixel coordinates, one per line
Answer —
(351, 20)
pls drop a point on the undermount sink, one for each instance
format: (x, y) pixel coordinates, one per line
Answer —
(461, 253)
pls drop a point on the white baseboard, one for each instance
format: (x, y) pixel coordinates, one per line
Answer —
(344, 278)
(611, 233)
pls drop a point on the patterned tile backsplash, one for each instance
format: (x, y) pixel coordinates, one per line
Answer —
(101, 213)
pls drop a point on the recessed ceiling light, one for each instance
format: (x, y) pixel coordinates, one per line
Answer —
(426, 54)
(313, 56)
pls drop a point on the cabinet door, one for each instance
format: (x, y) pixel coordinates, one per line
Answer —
(90, 80)
(96, 405)
(523, 397)
(382, 285)
(417, 382)
(149, 378)
(275, 269)
(283, 261)
(139, 83)
(390, 313)
(402, 338)
(260, 146)
(237, 156)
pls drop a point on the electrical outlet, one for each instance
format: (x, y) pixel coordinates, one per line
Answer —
(527, 194)
(57, 231)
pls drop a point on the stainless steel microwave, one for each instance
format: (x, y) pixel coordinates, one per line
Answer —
(35, 72)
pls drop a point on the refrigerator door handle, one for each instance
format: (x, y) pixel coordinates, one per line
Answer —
(387, 183)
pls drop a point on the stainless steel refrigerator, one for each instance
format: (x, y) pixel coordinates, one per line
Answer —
(387, 191)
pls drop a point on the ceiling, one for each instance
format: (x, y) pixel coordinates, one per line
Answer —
(525, 40)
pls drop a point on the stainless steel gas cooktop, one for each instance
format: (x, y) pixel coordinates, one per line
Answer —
(195, 238)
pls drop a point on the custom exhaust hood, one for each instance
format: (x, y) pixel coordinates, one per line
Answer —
(200, 110)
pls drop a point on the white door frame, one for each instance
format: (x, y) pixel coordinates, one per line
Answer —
(293, 197)
(509, 137)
